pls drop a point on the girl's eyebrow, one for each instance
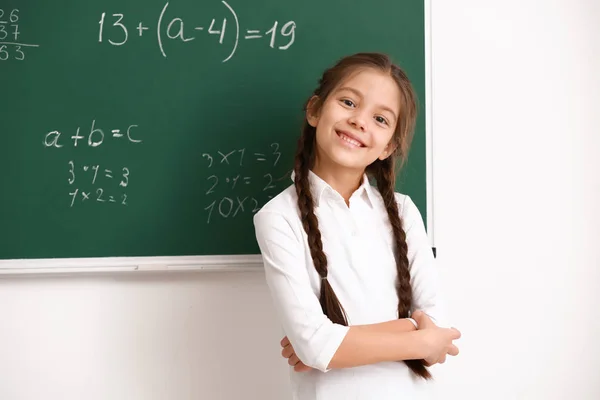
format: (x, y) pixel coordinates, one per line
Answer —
(359, 94)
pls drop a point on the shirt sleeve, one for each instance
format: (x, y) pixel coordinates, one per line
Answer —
(314, 336)
(425, 281)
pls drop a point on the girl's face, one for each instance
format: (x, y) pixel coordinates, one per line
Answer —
(357, 121)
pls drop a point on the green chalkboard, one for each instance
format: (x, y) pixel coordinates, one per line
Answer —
(153, 128)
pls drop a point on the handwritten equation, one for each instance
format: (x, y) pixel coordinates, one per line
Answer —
(94, 138)
(236, 181)
(230, 201)
(115, 30)
(85, 180)
(90, 173)
(10, 47)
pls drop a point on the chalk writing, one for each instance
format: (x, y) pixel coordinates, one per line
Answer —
(113, 28)
(92, 171)
(229, 176)
(84, 178)
(227, 156)
(10, 46)
(233, 182)
(98, 195)
(95, 137)
(90, 175)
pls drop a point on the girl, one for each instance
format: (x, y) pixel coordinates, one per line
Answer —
(346, 263)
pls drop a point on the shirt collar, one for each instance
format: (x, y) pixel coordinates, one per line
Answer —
(321, 188)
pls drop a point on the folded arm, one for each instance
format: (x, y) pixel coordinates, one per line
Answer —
(317, 341)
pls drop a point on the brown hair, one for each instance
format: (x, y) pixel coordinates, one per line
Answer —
(383, 171)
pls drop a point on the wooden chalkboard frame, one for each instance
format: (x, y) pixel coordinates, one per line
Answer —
(247, 262)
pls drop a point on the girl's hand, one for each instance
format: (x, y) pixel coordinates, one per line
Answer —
(438, 342)
(293, 360)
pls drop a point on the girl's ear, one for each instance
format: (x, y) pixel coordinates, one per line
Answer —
(388, 150)
(312, 115)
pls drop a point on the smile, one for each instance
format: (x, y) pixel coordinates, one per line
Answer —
(349, 140)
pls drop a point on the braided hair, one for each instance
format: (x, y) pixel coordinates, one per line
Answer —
(384, 173)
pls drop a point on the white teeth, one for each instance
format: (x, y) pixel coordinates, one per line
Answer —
(349, 140)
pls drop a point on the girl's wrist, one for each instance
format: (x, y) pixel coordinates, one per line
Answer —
(405, 325)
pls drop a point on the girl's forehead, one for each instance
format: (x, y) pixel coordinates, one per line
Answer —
(372, 84)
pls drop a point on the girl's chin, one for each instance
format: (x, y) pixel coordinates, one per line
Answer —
(349, 161)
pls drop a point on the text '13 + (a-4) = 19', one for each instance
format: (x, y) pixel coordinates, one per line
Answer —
(281, 37)
(11, 47)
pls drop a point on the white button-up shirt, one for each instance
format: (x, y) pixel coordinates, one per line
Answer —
(358, 242)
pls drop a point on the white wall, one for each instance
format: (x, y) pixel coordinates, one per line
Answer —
(180, 336)
(516, 185)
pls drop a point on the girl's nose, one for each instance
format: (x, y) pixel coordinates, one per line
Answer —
(357, 120)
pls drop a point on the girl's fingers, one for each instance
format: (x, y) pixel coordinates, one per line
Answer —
(287, 352)
(293, 360)
(453, 350)
(284, 342)
(300, 367)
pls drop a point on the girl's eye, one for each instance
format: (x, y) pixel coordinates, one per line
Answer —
(347, 102)
(381, 120)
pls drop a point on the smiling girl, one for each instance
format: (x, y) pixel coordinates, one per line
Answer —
(349, 265)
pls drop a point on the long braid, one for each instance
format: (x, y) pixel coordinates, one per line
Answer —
(384, 174)
(329, 302)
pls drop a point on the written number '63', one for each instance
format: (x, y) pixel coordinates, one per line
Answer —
(227, 208)
(18, 53)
